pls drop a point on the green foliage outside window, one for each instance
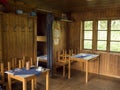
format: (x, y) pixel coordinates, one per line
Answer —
(102, 35)
(88, 30)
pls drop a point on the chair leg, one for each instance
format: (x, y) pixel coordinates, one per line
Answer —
(64, 71)
(55, 69)
(35, 80)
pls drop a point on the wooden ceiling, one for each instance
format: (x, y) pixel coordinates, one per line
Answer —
(73, 5)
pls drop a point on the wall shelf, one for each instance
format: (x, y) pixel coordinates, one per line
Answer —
(65, 20)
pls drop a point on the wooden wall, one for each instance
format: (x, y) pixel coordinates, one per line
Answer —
(73, 33)
(0, 39)
(18, 36)
(109, 62)
(62, 40)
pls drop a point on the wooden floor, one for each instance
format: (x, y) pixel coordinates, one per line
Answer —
(77, 82)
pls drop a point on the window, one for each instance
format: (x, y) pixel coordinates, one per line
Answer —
(106, 35)
(102, 35)
(88, 30)
(115, 35)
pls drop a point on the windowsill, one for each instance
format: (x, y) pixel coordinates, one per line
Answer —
(103, 52)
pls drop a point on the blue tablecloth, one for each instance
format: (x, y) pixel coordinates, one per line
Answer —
(85, 56)
(82, 56)
(23, 71)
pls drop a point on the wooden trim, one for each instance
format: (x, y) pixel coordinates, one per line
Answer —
(35, 42)
(81, 35)
(95, 34)
(108, 35)
(115, 76)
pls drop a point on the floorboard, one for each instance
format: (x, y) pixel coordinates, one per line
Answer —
(77, 82)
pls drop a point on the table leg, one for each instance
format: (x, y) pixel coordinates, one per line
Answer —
(69, 70)
(33, 84)
(9, 82)
(99, 65)
(24, 84)
(86, 71)
(47, 80)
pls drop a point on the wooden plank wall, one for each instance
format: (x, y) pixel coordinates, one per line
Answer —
(62, 40)
(0, 39)
(73, 33)
(109, 62)
(18, 36)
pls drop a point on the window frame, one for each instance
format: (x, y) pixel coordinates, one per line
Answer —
(97, 34)
(94, 39)
(87, 39)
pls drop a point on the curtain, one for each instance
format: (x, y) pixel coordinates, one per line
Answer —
(49, 22)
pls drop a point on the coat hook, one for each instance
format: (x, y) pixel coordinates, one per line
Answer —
(23, 27)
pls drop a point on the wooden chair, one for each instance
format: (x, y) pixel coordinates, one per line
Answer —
(70, 52)
(2, 72)
(61, 61)
(19, 63)
(27, 59)
(30, 60)
(2, 75)
(14, 63)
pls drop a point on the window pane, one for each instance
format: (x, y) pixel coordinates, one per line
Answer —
(115, 24)
(102, 25)
(115, 46)
(87, 44)
(115, 35)
(102, 35)
(88, 25)
(87, 34)
(101, 45)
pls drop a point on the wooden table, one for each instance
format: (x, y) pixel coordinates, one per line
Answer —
(25, 78)
(82, 57)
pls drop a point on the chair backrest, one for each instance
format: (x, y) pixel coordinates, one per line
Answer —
(70, 52)
(14, 63)
(62, 56)
(77, 51)
(27, 59)
(2, 71)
